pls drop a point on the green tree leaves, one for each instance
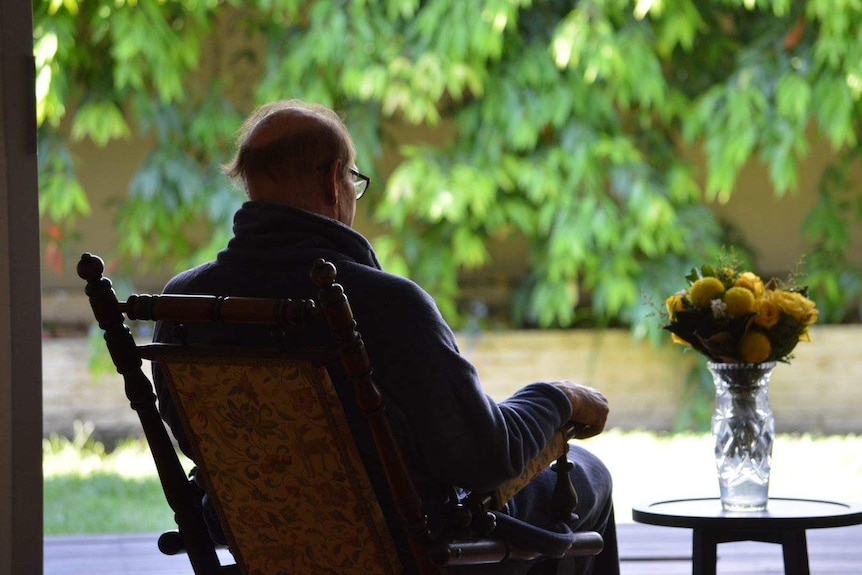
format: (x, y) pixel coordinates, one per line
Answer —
(567, 126)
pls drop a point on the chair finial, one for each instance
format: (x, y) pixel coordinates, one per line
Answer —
(90, 267)
(323, 273)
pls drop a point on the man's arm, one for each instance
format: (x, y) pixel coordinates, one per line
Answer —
(462, 436)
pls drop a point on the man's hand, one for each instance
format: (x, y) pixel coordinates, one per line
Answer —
(589, 408)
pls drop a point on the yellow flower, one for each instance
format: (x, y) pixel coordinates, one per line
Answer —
(751, 281)
(796, 305)
(739, 301)
(732, 315)
(768, 312)
(704, 290)
(754, 347)
(674, 304)
(676, 339)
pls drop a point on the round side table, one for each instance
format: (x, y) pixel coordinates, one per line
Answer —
(784, 521)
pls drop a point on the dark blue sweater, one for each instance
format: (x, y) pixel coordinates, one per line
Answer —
(452, 432)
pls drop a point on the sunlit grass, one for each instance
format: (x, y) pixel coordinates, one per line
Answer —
(89, 489)
(131, 459)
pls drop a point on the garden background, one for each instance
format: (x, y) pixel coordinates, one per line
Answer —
(548, 170)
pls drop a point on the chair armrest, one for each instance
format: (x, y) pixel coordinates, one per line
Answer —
(558, 446)
(498, 537)
(482, 551)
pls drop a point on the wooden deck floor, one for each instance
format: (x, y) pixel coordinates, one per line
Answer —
(644, 550)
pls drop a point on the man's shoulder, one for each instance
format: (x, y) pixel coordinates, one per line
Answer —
(382, 294)
(184, 281)
(367, 281)
(363, 284)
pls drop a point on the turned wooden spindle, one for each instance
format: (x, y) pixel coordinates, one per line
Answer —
(121, 345)
(339, 316)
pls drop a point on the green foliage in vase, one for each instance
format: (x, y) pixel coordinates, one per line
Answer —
(568, 125)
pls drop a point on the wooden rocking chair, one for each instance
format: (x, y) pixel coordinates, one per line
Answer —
(274, 449)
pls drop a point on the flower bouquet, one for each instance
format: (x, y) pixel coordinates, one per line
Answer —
(743, 327)
(733, 317)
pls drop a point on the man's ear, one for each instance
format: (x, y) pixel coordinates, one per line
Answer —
(330, 184)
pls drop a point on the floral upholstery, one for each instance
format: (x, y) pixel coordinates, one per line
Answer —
(281, 465)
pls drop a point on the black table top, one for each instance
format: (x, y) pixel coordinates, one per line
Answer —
(780, 513)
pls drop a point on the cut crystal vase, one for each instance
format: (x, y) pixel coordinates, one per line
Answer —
(744, 430)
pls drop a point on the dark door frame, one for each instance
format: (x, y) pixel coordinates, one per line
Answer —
(21, 513)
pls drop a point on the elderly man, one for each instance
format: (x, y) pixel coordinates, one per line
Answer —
(297, 164)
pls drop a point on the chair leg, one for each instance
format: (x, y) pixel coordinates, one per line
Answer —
(545, 567)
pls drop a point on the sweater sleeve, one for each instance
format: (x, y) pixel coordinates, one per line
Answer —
(461, 435)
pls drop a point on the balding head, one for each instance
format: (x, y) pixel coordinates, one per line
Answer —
(282, 146)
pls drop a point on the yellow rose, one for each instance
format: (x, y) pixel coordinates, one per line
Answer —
(703, 291)
(796, 305)
(751, 281)
(768, 312)
(811, 314)
(739, 301)
(754, 347)
(674, 304)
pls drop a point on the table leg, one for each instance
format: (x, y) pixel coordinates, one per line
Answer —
(703, 556)
(795, 547)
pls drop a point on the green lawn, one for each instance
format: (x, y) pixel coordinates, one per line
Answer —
(88, 490)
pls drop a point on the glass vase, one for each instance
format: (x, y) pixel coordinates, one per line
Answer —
(744, 430)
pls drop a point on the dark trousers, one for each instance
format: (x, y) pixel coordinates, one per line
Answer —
(595, 511)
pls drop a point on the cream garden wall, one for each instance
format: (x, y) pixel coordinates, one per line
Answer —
(821, 392)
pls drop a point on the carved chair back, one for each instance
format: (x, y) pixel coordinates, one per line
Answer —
(274, 448)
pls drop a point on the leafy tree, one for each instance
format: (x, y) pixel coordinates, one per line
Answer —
(569, 125)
